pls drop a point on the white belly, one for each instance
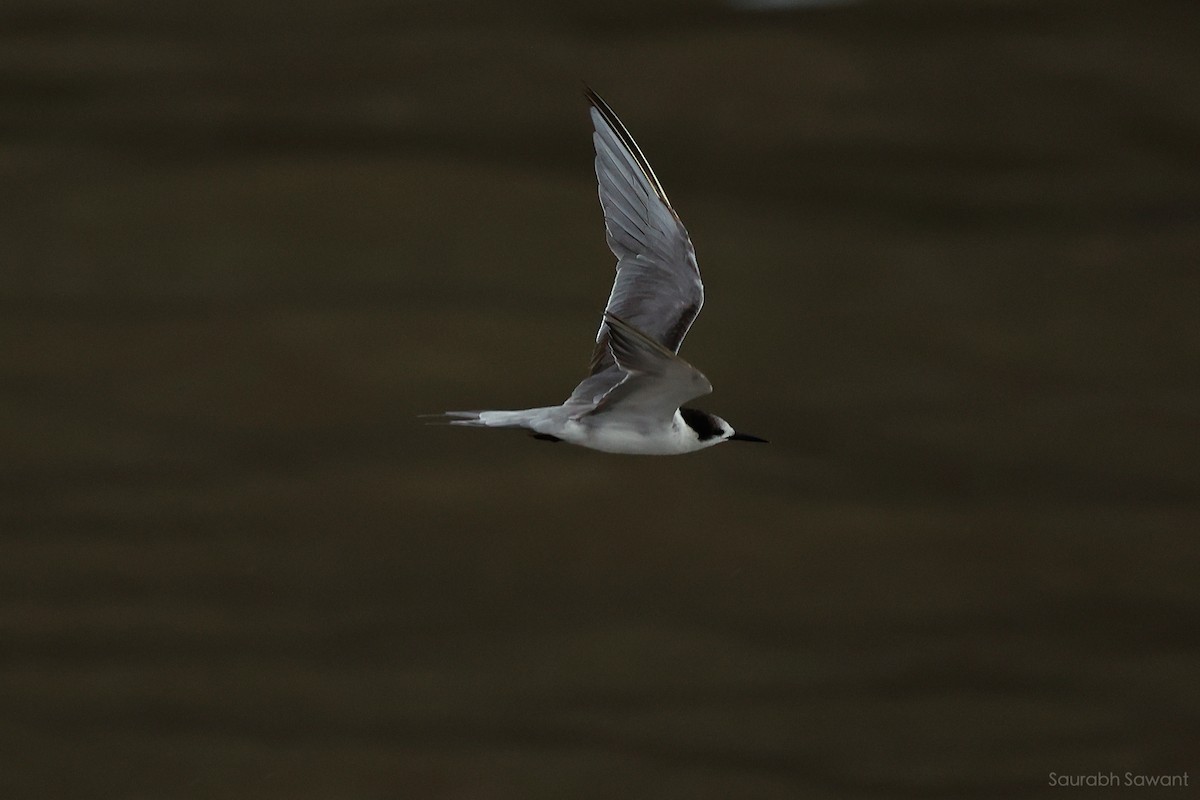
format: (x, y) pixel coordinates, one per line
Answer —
(613, 437)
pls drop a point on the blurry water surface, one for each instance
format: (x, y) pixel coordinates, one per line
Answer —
(951, 258)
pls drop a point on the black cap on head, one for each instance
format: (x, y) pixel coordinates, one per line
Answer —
(704, 424)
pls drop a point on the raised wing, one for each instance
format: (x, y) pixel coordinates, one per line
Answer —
(655, 381)
(657, 289)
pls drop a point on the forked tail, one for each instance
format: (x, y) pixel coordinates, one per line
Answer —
(486, 419)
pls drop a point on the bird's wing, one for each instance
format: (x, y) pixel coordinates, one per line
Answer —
(655, 382)
(657, 289)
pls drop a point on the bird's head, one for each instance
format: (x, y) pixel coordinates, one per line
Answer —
(711, 429)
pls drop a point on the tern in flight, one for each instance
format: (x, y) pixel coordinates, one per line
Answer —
(632, 399)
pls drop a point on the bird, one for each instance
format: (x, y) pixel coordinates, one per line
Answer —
(632, 400)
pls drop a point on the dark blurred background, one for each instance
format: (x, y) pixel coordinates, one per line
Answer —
(951, 257)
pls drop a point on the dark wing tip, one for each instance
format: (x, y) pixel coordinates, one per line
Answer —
(610, 117)
(597, 102)
(621, 345)
(624, 341)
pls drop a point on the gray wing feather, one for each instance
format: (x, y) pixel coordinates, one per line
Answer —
(655, 381)
(657, 288)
